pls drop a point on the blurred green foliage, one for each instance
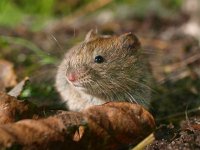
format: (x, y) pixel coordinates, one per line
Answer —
(10, 14)
(15, 12)
(36, 12)
(41, 7)
(45, 58)
(40, 93)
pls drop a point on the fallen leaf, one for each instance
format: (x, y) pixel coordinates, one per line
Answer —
(54, 132)
(79, 133)
(119, 123)
(113, 125)
(17, 90)
(7, 75)
(10, 108)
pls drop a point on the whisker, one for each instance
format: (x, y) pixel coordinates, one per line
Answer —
(59, 45)
(74, 32)
(101, 87)
(115, 88)
(140, 84)
(107, 96)
(113, 93)
(131, 98)
(151, 51)
(142, 99)
(124, 89)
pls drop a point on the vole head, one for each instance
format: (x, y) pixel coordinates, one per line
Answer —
(108, 67)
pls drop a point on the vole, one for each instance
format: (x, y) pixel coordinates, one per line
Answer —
(103, 69)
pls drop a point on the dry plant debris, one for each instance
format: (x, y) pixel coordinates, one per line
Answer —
(11, 108)
(120, 122)
(109, 126)
(188, 138)
(7, 75)
(41, 133)
(18, 89)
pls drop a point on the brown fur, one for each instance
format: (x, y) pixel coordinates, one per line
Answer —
(121, 77)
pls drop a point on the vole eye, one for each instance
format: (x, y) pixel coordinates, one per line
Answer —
(98, 59)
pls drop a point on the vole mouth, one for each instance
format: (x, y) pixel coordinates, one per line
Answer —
(77, 81)
(75, 84)
(78, 86)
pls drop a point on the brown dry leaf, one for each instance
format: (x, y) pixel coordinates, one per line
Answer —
(50, 133)
(79, 133)
(196, 126)
(191, 124)
(119, 123)
(109, 126)
(18, 89)
(10, 108)
(7, 75)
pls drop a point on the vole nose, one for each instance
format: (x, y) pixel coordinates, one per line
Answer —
(71, 77)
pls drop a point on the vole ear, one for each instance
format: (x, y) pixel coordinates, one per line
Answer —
(91, 35)
(129, 40)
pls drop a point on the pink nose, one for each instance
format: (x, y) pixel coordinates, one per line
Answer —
(71, 77)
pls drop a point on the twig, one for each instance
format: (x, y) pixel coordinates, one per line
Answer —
(175, 66)
(179, 114)
(148, 140)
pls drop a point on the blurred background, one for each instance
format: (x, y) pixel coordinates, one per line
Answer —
(35, 34)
